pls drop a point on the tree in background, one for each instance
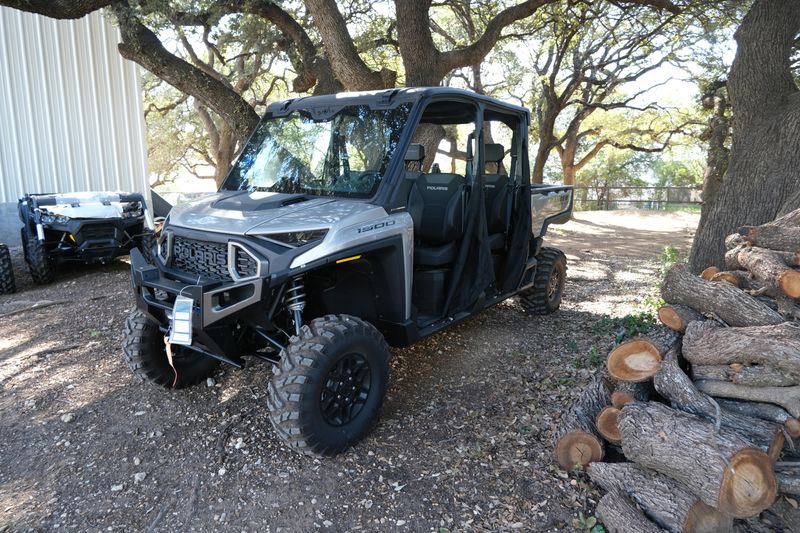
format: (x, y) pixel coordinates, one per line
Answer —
(762, 179)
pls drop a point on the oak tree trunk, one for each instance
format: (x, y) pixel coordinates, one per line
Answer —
(762, 178)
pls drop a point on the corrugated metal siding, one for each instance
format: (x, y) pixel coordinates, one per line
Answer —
(70, 108)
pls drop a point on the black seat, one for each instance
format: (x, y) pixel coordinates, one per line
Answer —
(436, 204)
(496, 191)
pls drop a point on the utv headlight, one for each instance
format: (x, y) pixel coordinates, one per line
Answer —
(50, 218)
(298, 238)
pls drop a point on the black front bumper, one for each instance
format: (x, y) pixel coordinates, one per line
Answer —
(214, 301)
(93, 241)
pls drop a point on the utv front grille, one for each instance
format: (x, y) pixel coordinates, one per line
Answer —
(201, 258)
(245, 264)
(97, 231)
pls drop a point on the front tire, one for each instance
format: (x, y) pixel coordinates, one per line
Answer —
(144, 352)
(330, 383)
(7, 285)
(147, 244)
(548, 283)
(36, 257)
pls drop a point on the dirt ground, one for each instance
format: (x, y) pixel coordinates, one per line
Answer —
(462, 443)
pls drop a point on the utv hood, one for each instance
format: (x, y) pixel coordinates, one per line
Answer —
(242, 212)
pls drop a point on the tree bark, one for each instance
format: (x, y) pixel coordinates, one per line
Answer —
(677, 317)
(788, 478)
(141, 45)
(764, 411)
(629, 391)
(719, 467)
(667, 502)
(786, 397)
(721, 299)
(765, 154)
(58, 9)
(706, 343)
(772, 237)
(620, 515)
(674, 385)
(577, 441)
(747, 375)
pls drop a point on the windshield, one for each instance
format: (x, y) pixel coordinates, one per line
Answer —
(340, 154)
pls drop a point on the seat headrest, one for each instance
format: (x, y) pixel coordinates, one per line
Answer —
(415, 152)
(493, 153)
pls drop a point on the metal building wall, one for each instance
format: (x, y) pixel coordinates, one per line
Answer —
(70, 110)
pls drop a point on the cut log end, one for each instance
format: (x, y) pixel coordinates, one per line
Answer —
(727, 277)
(703, 518)
(749, 485)
(792, 427)
(634, 361)
(670, 318)
(709, 273)
(578, 448)
(619, 399)
(607, 425)
(789, 283)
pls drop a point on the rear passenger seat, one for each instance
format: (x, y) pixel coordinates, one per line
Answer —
(496, 192)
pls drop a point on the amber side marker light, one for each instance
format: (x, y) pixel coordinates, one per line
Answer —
(346, 259)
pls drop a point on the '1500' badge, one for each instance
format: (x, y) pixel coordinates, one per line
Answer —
(377, 225)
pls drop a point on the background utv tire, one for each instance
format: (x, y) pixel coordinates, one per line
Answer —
(147, 243)
(144, 352)
(7, 285)
(548, 283)
(329, 385)
(36, 257)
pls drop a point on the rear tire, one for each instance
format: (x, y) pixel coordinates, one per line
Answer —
(326, 391)
(548, 283)
(144, 352)
(36, 257)
(7, 285)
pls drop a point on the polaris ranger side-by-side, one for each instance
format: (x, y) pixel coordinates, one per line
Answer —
(348, 221)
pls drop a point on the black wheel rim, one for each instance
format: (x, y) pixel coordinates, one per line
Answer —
(346, 389)
(554, 285)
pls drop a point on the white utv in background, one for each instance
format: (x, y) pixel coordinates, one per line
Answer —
(82, 227)
(334, 234)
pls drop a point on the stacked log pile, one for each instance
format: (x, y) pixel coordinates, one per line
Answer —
(706, 409)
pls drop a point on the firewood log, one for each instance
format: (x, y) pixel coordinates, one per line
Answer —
(639, 359)
(772, 236)
(764, 411)
(770, 268)
(790, 219)
(577, 441)
(677, 317)
(606, 424)
(709, 273)
(620, 515)
(718, 466)
(777, 346)
(666, 502)
(674, 385)
(732, 241)
(738, 278)
(786, 397)
(749, 375)
(721, 299)
(629, 391)
(788, 477)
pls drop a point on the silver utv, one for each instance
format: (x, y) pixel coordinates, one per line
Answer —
(339, 230)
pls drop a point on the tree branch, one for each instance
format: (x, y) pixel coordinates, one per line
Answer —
(58, 9)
